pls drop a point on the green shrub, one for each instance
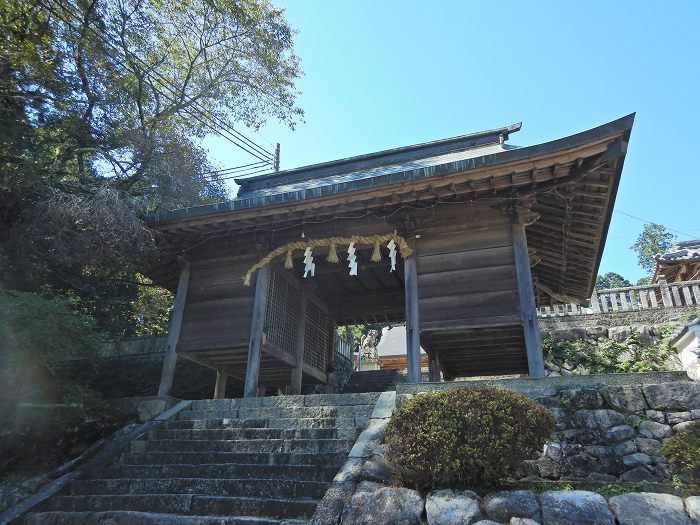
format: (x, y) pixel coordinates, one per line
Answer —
(683, 453)
(608, 356)
(465, 437)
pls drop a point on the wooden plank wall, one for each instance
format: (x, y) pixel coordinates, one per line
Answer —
(466, 274)
(219, 307)
(468, 294)
(466, 280)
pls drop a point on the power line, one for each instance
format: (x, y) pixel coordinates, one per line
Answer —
(651, 222)
(198, 119)
(237, 176)
(265, 139)
(235, 168)
(200, 114)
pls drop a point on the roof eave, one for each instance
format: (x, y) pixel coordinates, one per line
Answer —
(627, 131)
(616, 127)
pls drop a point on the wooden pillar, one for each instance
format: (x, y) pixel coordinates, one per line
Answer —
(412, 321)
(220, 388)
(434, 367)
(170, 359)
(535, 359)
(262, 285)
(298, 370)
(330, 376)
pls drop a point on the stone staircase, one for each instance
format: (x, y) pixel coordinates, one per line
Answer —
(262, 461)
(373, 381)
(376, 381)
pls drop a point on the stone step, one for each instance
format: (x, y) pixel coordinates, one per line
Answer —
(283, 423)
(127, 517)
(268, 488)
(373, 381)
(312, 400)
(335, 459)
(339, 422)
(219, 470)
(251, 433)
(255, 461)
(279, 412)
(211, 423)
(361, 388)
(260, 413)
(189, 504)
(241, 445)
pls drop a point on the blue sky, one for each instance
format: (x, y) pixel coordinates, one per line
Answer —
(383, 74)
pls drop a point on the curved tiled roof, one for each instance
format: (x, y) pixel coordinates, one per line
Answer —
(671, 262)
(681, 251)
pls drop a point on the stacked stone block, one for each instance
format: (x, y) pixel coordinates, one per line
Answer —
(616, 432)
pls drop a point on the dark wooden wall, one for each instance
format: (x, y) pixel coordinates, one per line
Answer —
(466, 274)
(468, 293)
(218, 311)
(466, 286)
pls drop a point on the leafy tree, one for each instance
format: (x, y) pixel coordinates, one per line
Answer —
(360, 330)
(103, 105)
(611, 280)
(654, 239)
(37, 334)
(643, 280)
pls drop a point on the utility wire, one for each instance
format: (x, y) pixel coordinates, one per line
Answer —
(239, 174)
(200, 114)
(651, 222)
(265, 139)
(235, 168)
(264, 170)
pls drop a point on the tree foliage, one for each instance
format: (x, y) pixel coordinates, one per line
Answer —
(607, 356)
(358, 331)
(654, 239)
(37, 334)
(611, 280)
(103, 105)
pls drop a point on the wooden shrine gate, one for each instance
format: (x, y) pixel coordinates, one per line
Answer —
(494, 231)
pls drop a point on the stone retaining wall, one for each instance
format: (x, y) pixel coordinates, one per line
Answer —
(614, 433)
(609, 427)
(388, 505)
(601, 324)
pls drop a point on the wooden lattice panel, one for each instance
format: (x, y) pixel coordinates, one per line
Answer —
(281, 316)
(317, 338)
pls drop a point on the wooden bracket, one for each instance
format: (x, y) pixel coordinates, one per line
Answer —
(560, 297)
(518, 208)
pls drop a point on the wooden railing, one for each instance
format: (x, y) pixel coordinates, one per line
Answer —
(647, 297)
(343, 347)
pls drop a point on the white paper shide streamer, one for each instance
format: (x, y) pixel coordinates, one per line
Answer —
(352, 258)
(392, 254)
(309, 265)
